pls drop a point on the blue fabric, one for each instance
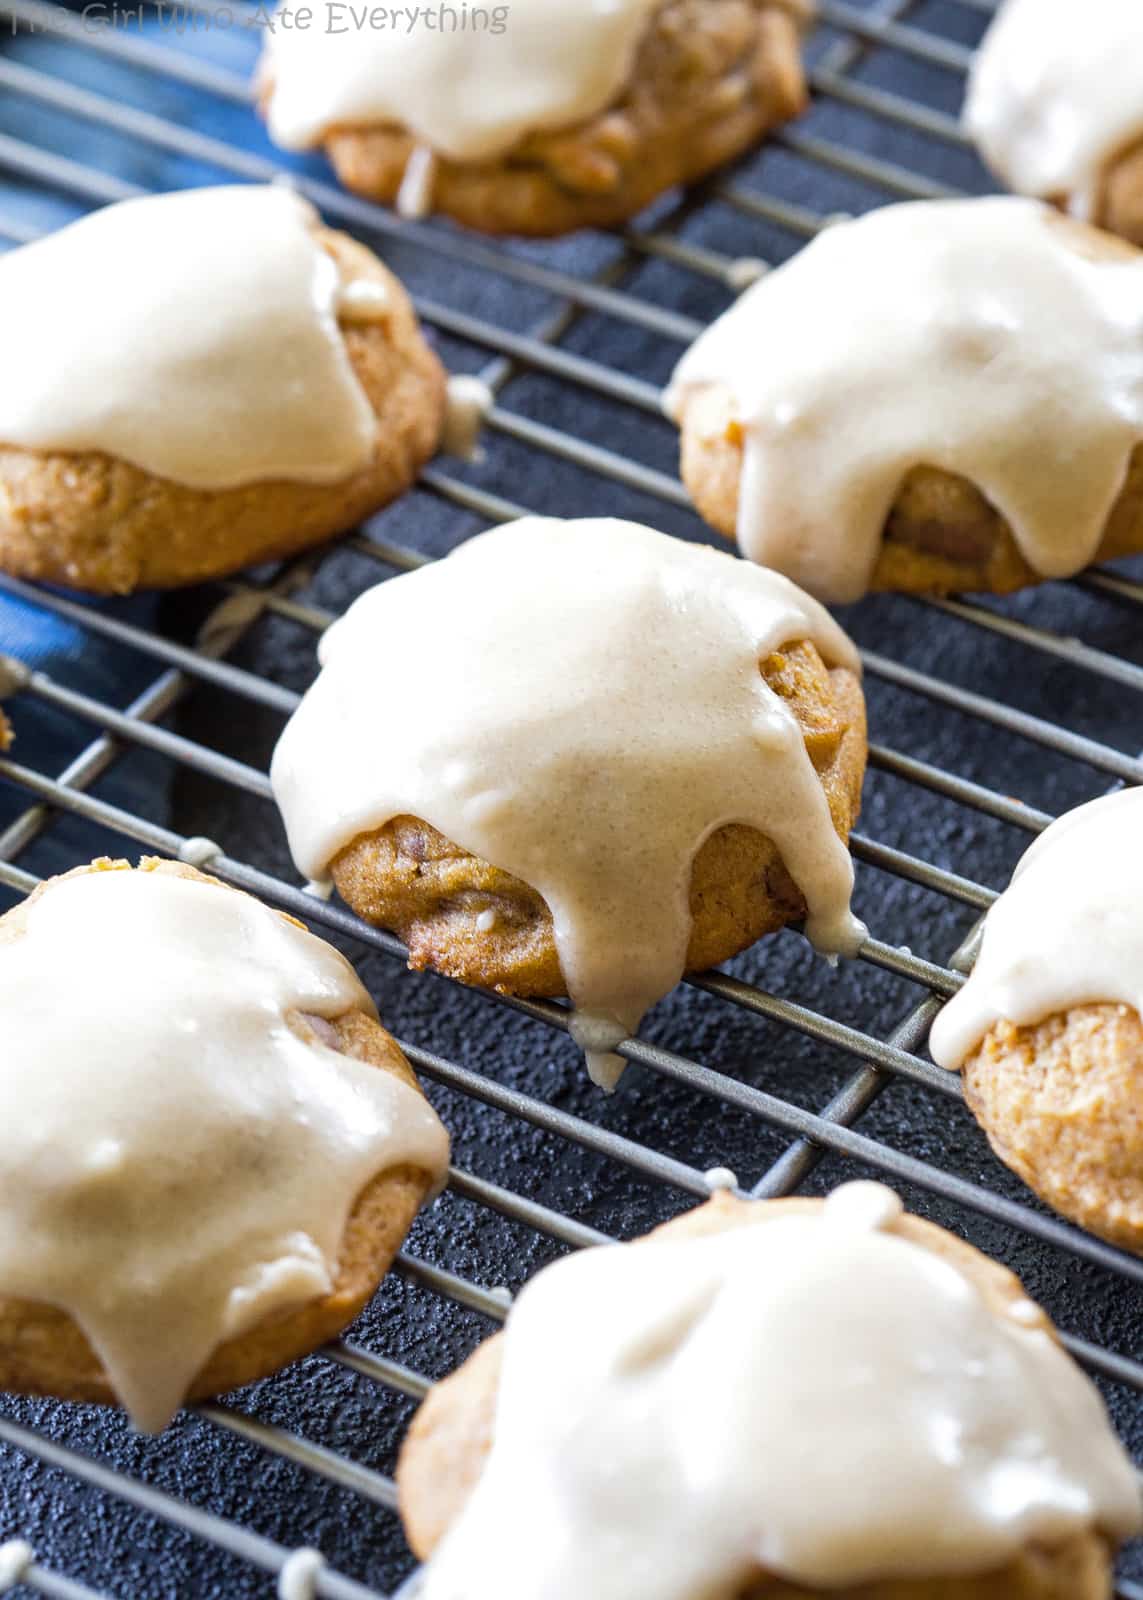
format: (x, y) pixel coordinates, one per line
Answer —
(48, 740)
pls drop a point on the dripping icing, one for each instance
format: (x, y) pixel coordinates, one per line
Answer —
(1032, 353)
(103, 1157)
(415, 196)
(586, 728)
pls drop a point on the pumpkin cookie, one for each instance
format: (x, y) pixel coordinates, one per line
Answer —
(539, 119)
(1055, 105)
(803, 438)
(624, 757)
(680, 1454)
(252, 384)
(197, 1023)
(1047, 1029)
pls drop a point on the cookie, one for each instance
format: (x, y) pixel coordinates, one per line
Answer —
(1055, 105)
(408, 877)
(467, 1440)
(801, 433)
(628, 758)
(580, 118)
(1047, 1030)
(187, 1105)
(1059, 1102)
(253, 385)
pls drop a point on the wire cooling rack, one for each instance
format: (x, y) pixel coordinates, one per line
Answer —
(573, 340)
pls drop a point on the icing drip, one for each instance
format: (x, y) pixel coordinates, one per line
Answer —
(16, 1557)
(811, 1395)
(469, 402)
(1054, 94)
(590, 712)
(598, 1038)
(1032, 359)
(174, 1085)
(1067, 931)
(415, 196)
(214, 357)
(298, 1578)
(198, 851)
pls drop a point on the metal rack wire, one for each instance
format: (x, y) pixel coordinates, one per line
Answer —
(852, 40)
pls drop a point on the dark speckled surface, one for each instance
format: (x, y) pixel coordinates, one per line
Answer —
(131, 1555)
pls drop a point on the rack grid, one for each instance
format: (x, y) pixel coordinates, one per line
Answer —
(640, 287)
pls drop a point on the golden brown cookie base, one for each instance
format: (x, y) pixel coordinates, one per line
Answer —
(450, 1437)
(42, 1351)
(1060, 1103)
(942, 536)
(1121, 204)
(711, 78)
(1118, 206)
(95, 522)
(406, 876)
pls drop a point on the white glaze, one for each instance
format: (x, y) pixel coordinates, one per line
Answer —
(468, 95)
(589, 712)
(212, 355)
(299, 1574)
(1055, 92)
(415, 196)
(172, 1088)
(16, 1556)
(1067, 931)
(468, 404)
(199, 851)
(1027, 357)
(812, 1395)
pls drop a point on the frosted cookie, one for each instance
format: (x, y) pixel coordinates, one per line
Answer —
(249, 385)
(537, 118)
(211, 1150)
(763, 1401)
(623, 757)
(1055, 105)
(1047, 1030)
(941, 395)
